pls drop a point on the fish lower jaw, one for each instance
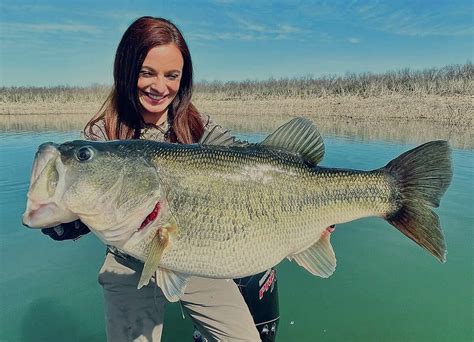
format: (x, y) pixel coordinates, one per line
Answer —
(45, 215)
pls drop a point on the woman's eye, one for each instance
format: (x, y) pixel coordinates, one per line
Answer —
(145, 74)
(173, 76)
(84, 154)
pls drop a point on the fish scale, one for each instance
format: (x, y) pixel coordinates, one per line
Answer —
(288, 213)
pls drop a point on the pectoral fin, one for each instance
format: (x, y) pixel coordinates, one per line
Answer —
(158, 244)
(171, 283)
(319, 259)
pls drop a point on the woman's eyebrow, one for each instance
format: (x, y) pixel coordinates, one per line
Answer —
(167, 72)
(147, 68)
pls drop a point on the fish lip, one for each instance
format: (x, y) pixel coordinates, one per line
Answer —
(46, 152)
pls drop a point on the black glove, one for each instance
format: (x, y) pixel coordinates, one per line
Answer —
(67, 231)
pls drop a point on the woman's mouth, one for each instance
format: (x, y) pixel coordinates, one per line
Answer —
(154, 99)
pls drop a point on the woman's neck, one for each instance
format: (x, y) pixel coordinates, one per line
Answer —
(155, 118)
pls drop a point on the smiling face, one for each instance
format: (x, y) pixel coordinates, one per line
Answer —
(158, 81)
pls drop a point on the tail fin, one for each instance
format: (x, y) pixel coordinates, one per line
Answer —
(423, 174)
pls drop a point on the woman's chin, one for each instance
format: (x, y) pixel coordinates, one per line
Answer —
(156, 109)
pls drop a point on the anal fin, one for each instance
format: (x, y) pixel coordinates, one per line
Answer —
(171, 283)
(319, 259)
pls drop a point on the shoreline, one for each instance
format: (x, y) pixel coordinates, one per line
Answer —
(404, 118)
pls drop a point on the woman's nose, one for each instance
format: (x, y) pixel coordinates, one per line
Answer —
(159, 84)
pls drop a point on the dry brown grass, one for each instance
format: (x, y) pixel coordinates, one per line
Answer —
(405, 105)
(456, 79)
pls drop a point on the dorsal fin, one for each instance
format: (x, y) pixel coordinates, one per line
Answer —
(298, 136)
(221, 137)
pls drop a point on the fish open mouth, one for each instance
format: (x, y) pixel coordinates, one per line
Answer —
(42, 209)
(151, 217)
(46, 153)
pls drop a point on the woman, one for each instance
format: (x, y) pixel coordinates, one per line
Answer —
(151, 99)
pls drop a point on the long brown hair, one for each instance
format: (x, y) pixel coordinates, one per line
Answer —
(120, 112)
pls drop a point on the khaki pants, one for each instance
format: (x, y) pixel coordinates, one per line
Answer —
(215, 305)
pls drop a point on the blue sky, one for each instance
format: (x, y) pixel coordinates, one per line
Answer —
(47, 43)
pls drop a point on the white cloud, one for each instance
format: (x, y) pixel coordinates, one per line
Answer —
(353, 40)
(411, 21)
(416, 19)
(246, 30)
(278, 29)
(428, 24)
(251, 26)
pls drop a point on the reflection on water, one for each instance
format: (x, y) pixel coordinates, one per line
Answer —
(43, 122)
(385, 288)
(401, 131)
(397, 131)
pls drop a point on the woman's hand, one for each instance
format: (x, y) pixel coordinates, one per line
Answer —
(67, 231)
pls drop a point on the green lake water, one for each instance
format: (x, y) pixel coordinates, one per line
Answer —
(385, 287)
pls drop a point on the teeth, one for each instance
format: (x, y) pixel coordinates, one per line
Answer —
(155, 97)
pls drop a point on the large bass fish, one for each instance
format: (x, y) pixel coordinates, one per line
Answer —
(231, 211)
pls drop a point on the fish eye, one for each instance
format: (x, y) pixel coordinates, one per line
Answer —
(85, 153)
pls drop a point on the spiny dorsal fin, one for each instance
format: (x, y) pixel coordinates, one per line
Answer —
(319, 259)
(298, 136)
(221, 137)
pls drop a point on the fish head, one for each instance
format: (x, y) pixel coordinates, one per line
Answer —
(110, 186)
